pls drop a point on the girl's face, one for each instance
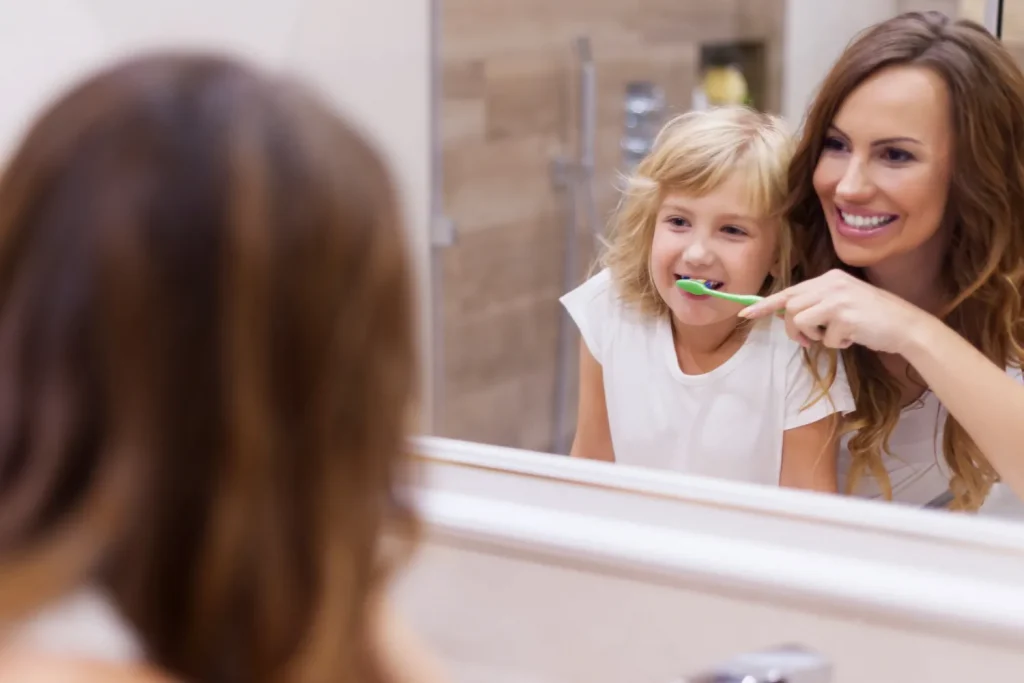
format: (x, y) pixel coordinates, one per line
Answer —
(714, 237)
(883, 177)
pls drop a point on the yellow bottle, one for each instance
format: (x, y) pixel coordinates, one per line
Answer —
(725, 85)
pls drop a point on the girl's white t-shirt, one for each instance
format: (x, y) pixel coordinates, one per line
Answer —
(727, 423)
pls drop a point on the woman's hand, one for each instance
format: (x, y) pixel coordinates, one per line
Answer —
(839, 310)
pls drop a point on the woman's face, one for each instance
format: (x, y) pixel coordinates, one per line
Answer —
(883, 175)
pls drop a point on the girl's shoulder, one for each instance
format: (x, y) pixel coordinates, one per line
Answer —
(603, 317)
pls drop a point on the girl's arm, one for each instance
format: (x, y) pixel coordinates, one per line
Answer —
(593, 435)
(809, 455)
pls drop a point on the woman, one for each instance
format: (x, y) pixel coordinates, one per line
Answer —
(907, 197)
(206, 370)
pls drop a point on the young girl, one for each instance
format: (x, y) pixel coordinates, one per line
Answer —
(677, 381)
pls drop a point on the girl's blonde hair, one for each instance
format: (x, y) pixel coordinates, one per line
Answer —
(695, 153)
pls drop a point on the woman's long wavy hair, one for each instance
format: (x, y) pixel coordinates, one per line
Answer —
(985, 209)
(206, 369)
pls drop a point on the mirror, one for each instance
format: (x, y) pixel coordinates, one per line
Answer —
(540, 109)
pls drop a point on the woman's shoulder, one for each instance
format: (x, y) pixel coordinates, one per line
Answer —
(85, 622)
(24, 666)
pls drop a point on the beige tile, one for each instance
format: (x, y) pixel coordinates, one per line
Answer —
(462, 122)
(516, 412)
(675, 21)
(762, 17)
(502, 343)
(500, 182)
(489, 269)
(463, 79)
(527, 95)
(1016, 49)
(488, 28)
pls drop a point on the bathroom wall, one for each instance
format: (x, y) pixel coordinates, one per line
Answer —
(336, 45)
(1013, 27)
(509, 79)
(818, 31)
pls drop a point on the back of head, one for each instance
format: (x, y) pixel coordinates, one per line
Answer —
(984, 209)
(695, 153)
(206, 367)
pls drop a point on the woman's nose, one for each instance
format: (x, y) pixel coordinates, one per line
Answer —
(855, 184)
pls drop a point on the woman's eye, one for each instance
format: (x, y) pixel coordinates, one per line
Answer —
(896, 155)
(834, 144)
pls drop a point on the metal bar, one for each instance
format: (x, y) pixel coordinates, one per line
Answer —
(575, 179)
(994, 17)
(588, 103)
(442, 230)
(588, 136)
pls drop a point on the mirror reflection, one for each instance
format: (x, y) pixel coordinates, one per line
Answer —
(614, 177)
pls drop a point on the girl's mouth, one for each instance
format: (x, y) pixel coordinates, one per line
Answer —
(710, 284)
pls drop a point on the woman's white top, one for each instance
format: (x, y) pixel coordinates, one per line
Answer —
(727, 423)
(917, 468)
(85, 623)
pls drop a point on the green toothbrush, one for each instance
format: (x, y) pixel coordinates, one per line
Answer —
(699, 288)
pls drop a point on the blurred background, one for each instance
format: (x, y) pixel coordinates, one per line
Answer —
(507, 124)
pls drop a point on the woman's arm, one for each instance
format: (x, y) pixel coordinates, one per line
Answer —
(593, 435)
(809, 455)
(987, 402)
(837, 310)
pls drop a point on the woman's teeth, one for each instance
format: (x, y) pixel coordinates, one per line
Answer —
(866, 221)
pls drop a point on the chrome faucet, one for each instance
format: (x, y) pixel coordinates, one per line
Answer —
(787, 664)
(645, 107)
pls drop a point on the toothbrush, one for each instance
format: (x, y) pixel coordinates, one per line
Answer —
(699, 288)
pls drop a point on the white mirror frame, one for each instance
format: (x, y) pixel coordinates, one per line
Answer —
(933, 574)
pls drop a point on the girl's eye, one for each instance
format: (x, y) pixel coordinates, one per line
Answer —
(834, 144)
(897, 155)
(677, 222)
(734, 230)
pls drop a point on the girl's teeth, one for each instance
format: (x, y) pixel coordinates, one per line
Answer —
(865, 221)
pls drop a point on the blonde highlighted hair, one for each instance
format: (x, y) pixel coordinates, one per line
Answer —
(696, 153)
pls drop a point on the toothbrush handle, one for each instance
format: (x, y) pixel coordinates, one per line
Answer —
(745, 299)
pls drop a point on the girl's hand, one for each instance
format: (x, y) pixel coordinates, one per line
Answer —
(839, 310)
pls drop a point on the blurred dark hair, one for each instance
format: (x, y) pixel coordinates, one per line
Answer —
(206, 368)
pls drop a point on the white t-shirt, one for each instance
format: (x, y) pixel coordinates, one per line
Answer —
(85, 623)
(727, 423)
(916, 465)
